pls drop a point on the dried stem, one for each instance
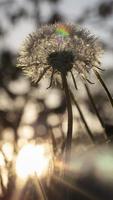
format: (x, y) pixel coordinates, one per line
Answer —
(104, 86)
(40, 188)
(82, 117)
(73, 78)
(95, 108)
(70, 117)
(53, 140)
(93, 104)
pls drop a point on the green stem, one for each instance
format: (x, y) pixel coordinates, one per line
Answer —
(70, 117)
(82, 117)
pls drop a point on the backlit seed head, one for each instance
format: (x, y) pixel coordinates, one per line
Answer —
(56, 49)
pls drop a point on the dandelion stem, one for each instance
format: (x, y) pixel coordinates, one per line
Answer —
(93, 104)
(82, 117)
(70, 117)
(95, 108)
(53, 140)
(104, 86)
(74, 80)
(40, 188)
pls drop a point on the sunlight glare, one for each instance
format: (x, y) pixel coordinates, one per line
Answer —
(33, 159)
(8, 151)
(2, 162)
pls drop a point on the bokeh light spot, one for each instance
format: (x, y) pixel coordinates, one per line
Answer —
(33, 159)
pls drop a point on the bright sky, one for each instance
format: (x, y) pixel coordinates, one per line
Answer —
(74, 8)
(71, 9)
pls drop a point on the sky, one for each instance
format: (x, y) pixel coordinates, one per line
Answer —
(72, 9)
(69, 8)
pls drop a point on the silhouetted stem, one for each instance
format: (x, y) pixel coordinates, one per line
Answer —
(93, 104)
(40, 188)
(73, 80)
(53, 140)
(104, 86)
(82, 117)
(95, 108)
(70, 117)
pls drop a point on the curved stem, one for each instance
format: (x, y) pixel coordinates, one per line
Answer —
(82, 117)
(70, 117)
(94, 106)
(95, 109)
(104, 86)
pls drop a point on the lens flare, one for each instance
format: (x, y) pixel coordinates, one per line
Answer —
(34, 159)
(62, 30)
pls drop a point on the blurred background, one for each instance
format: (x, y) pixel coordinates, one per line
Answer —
(29, 113)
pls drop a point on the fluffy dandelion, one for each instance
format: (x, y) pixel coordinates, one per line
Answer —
(59, 49)
(55, 51)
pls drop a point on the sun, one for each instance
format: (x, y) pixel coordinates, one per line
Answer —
(34, 159)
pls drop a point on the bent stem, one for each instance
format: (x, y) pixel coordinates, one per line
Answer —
(104, 86)
(70, 117)
(95, 108)
(93, 104)
(82, 117)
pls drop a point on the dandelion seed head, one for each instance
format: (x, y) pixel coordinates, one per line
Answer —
(56, 49)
